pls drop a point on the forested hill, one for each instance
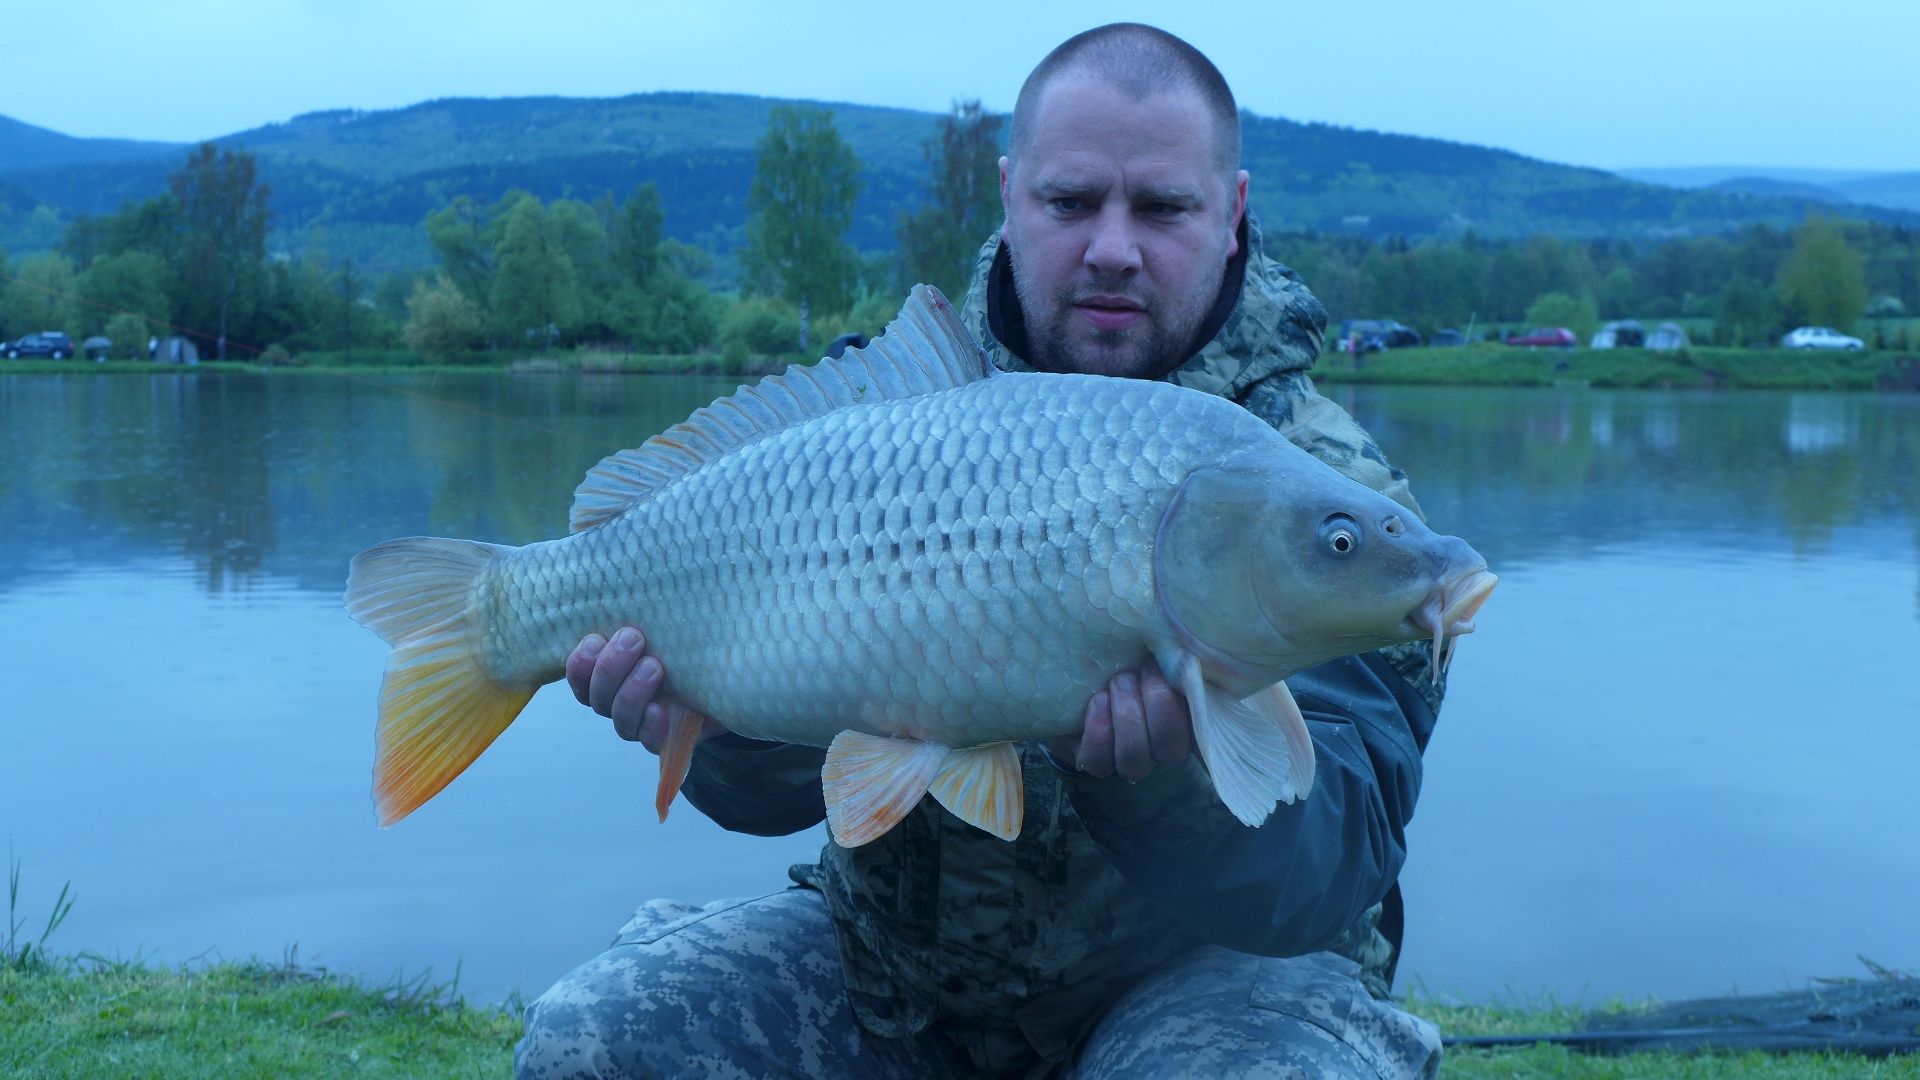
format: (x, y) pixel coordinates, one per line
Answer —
(360, 183)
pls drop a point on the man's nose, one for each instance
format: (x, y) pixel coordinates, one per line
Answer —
(1113, 249)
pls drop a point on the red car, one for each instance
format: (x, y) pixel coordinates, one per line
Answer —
(1546, 337)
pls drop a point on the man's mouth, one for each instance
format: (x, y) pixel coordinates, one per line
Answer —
(1109, 312)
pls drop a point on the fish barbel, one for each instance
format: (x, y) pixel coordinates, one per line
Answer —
(916, 561)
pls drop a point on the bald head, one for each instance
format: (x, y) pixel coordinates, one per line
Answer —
(1140, 61)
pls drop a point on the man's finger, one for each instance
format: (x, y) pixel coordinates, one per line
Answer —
(630, 704)
(1132, 753)
(652, 730)
(1169, 725)
(611, 668)
(580, 665)
(1096, 737)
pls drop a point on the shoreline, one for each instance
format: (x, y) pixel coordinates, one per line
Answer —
(1476, 365)
(1685, 369)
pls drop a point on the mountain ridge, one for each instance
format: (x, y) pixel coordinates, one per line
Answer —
(358, 182)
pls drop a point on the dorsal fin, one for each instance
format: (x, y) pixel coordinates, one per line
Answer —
(925, 348)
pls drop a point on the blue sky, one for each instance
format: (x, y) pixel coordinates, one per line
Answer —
(1615, 84)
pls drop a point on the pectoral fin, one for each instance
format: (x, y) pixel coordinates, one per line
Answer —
(981, 786)
(872, 782)
(1257, 750)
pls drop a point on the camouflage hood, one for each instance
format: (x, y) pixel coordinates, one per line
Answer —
(1265, 323)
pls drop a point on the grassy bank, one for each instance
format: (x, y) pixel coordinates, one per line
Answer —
(1699, 368)
(88, 1019)
(265, 1020)
(1539, 1060)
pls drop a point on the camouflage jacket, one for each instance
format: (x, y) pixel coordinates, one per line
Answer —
(1015, 948)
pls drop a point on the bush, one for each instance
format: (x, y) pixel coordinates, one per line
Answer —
(762, 324)
(129, 334)
(1559, 309)
(442, 321)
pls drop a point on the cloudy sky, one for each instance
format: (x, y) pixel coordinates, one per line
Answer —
(1614, 84)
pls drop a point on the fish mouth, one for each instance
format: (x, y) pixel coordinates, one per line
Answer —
(1448, 613)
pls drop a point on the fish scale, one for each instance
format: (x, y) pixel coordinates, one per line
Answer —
(963, 568)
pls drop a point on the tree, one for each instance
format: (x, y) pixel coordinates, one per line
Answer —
(634, 232)
(1559, 309)
(224, 215)
(940, 241)
(1823, 277)
(463, 236)
(534, 293)
(43, 298)
(131, 282)
(1746, 314)
(801, 202)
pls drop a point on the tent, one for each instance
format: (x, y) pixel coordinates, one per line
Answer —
(176, 350)
(1669, 336)
(1625, 334)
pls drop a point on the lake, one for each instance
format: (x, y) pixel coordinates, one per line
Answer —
(1679, 757)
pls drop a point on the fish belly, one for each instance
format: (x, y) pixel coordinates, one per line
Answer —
(963, 567)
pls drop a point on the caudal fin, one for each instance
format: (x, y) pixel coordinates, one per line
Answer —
(438, 706)
(1257, 750)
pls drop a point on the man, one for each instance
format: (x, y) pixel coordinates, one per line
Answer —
(1134, 928)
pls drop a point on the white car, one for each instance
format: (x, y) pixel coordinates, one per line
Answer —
(1820, 337)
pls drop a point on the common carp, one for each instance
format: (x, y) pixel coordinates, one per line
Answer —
(916, 561)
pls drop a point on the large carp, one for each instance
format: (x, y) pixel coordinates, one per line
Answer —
(917, 561)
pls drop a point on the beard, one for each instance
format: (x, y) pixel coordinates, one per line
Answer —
(1060, 341)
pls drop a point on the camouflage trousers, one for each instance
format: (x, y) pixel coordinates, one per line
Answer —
(751, 989)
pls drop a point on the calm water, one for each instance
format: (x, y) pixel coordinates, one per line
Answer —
(1679, 757)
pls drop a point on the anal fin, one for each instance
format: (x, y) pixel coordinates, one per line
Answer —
(871, 783)
(981, 786)
(676, 756)
(1258, 750)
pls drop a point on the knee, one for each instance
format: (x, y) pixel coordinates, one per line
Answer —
(598, 1021)
(565, 1037)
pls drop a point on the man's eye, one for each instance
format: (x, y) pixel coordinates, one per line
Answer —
(1162, 209)
(1068, 205)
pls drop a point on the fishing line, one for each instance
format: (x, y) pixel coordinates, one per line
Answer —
(257, 351)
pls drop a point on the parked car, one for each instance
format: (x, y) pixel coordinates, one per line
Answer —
(1546, 337)
(1625, 334)
(1373, 335)
(1820, 337)
(1447, 339)
(52, 344)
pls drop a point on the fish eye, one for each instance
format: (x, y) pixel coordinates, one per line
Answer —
(1340, 535)
(1393, 526)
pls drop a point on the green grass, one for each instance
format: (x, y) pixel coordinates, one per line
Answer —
(96, 1018)
(1539, 1060)
(1702, 368)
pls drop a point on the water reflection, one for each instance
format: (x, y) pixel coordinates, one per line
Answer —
(1685, 727)
(291, 475)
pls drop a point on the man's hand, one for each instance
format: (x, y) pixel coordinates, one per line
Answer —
(618, 680)
(1136, 722)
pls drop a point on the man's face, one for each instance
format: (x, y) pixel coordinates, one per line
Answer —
(1119, 224)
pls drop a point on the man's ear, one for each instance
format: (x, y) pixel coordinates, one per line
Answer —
(1239, 212)
(1006, 204)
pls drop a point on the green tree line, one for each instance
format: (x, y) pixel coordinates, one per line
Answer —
(1755, 284)
(525, 275)
(519, 274)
